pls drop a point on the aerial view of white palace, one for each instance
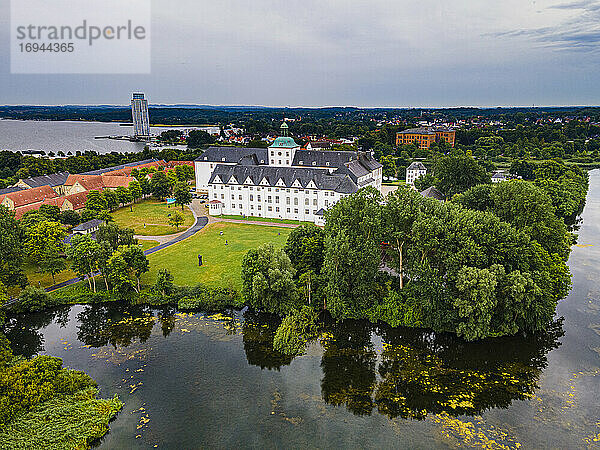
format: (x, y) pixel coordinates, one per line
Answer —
(282, 181)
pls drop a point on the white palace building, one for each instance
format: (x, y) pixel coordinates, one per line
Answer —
(282, 181)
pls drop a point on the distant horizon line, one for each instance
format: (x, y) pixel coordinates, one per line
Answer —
(225, 106)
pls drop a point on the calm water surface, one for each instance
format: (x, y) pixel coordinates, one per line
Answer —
(67, 136)
(195, 380)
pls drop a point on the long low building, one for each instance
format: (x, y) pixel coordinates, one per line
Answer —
(282, 181)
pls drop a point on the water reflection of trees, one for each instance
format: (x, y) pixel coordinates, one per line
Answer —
(23, 330)
(258, 332)
(348, 365)
(117, 324)
(422, 372)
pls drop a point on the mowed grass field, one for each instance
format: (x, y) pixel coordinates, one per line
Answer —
(222, 263)
(154, 214)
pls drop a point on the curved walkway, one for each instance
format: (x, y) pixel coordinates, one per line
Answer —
(200, 223)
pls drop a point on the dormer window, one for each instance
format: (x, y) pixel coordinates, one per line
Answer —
(301, 163)
(314, 163)
(327, 163)
(223, 159)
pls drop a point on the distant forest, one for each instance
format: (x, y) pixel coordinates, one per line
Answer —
(202, 115)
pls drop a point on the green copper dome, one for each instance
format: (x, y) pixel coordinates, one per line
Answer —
(284, 142)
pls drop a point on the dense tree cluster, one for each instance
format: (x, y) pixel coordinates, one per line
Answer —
(490, 263)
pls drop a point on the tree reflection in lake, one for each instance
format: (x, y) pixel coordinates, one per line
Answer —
(22, 330)
(116, 323)
(258, 332)
(423, 372)
(348, 365)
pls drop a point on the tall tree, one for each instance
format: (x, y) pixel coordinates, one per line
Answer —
(137, 262)
(135, 190)
(457, 173)
(12, 237)
(176, 219)
(268, 280)
(45, 245)
(182, 194)
(160, 185)
(95, 201)
(84, 253)
(124, 196)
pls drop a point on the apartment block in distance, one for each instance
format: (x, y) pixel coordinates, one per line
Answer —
(139, 113)
(424, 137)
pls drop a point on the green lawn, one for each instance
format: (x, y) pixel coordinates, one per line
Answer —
(263, 219)
(44, 280)
(221, 263)
(154, 215)
(147, 244)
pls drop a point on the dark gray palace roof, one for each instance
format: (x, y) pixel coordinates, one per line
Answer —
(55, 179)
(119, 167)
(10, 190)
(432, 192)
(322, 158)
(417, 166)
(89, 225)
(233, 155)
(321, 178)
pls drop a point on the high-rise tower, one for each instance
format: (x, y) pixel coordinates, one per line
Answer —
(139, 112)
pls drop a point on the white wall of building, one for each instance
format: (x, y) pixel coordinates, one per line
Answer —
(272, 202)
(412, 175)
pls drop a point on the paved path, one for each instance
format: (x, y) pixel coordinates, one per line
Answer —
(201, 222)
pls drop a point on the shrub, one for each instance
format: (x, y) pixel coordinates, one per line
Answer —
(32, 299)
(295, 331)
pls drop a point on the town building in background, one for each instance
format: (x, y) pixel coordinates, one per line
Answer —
(139, 113)
(414, 171)
(426, 136)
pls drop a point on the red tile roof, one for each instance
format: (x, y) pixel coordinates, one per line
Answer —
(29, 196)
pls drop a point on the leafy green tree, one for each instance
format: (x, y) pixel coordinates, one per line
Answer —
(389, 166)
(268, 280)
(44, 246)
(457, 173)
(84, 253)
(31, 218)
(135, 190)
(32, 299)
(176, 219)
(12, 238)
(295, 331)
(115, 236)
(305, 246)
(199, 138)
(425, 181)
(164, 282)
(137, 262)
(352, 254)
(124, 196)
(182, 194)
(525, 206)
(95, 201)
(145, 185)
(69, 217)
(400, 212)
(118, 275)
(112, 200)
(184, 172)
(52, 212)
(160, 185)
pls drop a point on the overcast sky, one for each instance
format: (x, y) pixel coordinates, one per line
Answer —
(346, 52)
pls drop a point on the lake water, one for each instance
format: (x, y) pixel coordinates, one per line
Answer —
(195, 380)
(17, 135)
